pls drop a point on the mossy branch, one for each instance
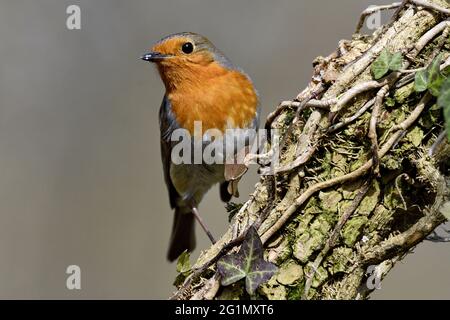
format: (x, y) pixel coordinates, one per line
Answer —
(356, 188)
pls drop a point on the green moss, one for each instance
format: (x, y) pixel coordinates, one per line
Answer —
(329, 200)
(431, 116)
(339, 260)
(280, 252)
(415, 136)
(391, 198)
(273, 290)
(349, 189)
(352, 229)
(339, 164)
(359, 162)
(381, 218)
(390, 102)
(307, 243)
(324, 222)
(312, 206)
(343, 206)
(390, 162)
(289, 116)
(370, 200)
(326, 164)
(404, 92)
(295, 293)
(398, 115)
(289, 273)
(303, 224)
(320, 275)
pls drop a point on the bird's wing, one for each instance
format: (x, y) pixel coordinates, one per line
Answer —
(166, 124)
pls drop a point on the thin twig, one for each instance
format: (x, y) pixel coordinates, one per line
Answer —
(299, 160)
(412, 73)
(349, 120)
(354, 91)
(338, 104)
(431, 6)
(430, 35)
(397, 187)
(411, 70)
(373, 127)
(371, 10)
(309, 96)
(274, 114)
(313, 103)
(414, 114)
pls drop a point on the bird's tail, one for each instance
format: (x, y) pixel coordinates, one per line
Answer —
(183, 234)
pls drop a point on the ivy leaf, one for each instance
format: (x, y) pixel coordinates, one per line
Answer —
(183, 268)
(183, 263)
(446, 71)
(435, 86)
(444, 102)
(430, 78)
(381, 64)
(435, 78)
(261, 272)
(248, 263)
(396, 61)
(230, 268)
(421, 80)
(232, 209)
(434, 70)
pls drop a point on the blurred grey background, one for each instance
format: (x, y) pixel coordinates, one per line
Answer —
(80, 174)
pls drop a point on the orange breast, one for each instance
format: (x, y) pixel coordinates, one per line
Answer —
(218, 97)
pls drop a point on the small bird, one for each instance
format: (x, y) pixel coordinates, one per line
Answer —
(202, 86)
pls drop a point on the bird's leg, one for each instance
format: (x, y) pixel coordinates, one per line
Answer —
(202, 224)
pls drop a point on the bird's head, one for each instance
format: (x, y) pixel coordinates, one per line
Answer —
(187, 58)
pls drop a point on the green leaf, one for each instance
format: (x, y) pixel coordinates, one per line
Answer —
(421, 80)
(390, 102)
(231, 269)
(248, 263)
(261, 272)
(430, 78)
(446, 71)
(232, 209)
(435, 78)
(381, 64)
(183, 263)
(435, 86)
(396, 62)
(444, 102)
(434, 71)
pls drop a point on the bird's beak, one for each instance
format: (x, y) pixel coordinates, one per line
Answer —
(154, 56)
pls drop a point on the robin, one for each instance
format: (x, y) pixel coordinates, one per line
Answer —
(202, 87)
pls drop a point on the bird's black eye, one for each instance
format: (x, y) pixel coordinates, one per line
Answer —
(187, 47)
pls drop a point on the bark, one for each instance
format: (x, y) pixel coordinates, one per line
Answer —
(358, 185)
